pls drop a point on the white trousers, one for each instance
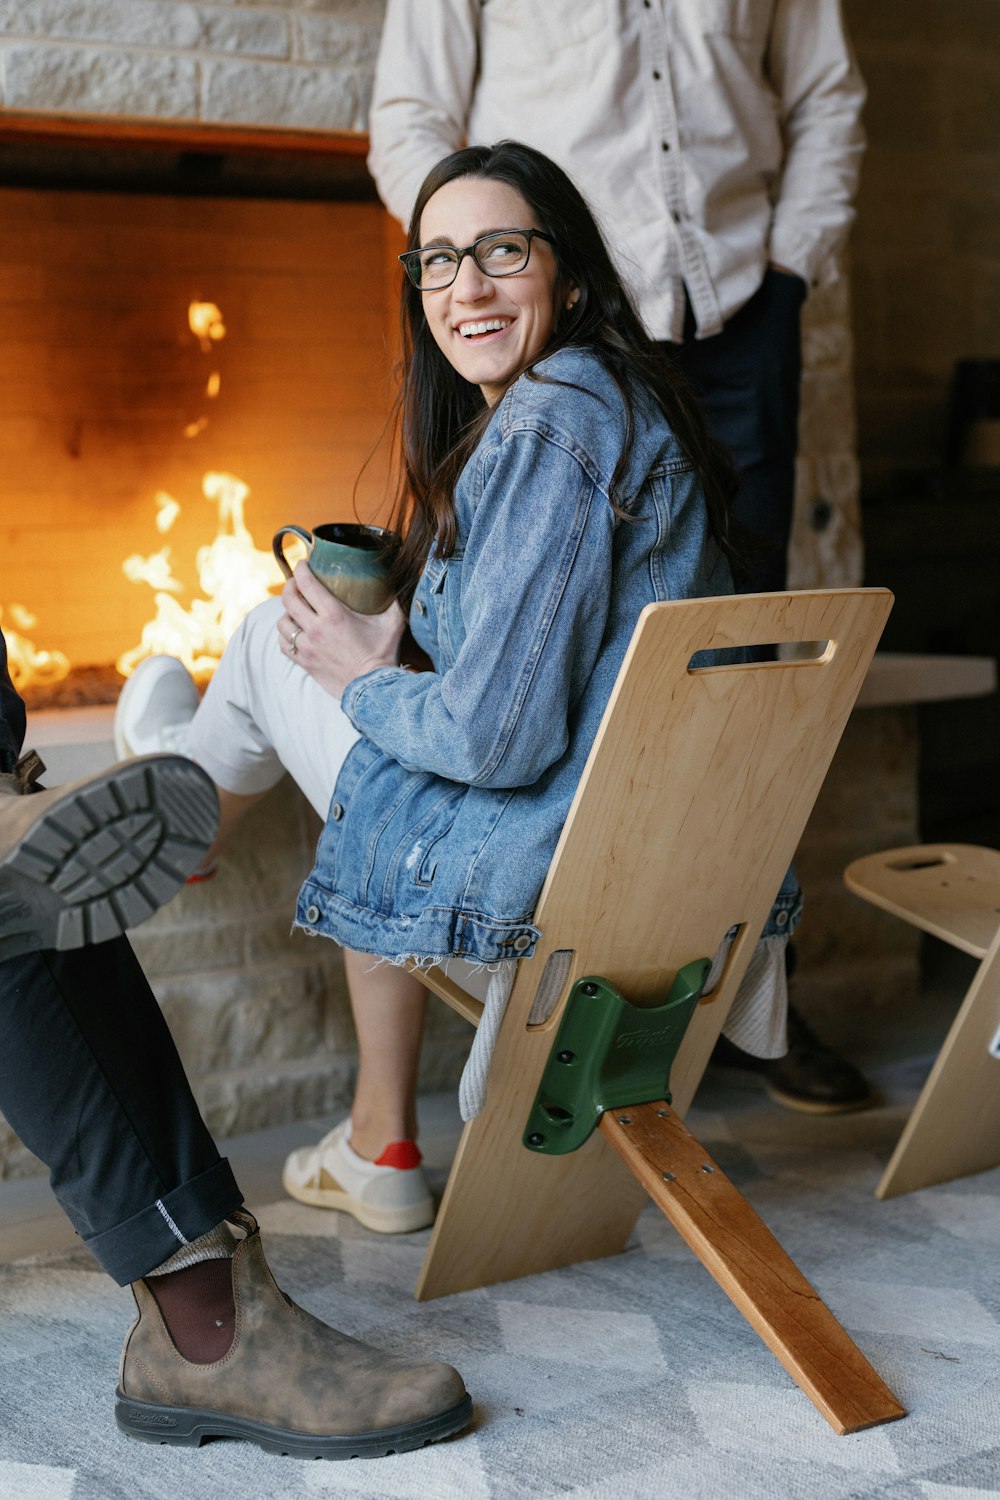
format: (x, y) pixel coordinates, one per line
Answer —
(262, 715)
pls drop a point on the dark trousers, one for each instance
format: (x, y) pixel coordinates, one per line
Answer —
(91, 1081)
(747, 378)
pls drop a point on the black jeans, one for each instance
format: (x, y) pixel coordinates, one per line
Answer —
(91, 1081)
(747, 378)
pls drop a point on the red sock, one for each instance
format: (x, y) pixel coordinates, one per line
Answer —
(403, 1155)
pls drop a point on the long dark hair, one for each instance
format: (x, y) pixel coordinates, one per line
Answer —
(443, 415)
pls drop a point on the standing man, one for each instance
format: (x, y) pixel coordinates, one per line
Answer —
(719, 142)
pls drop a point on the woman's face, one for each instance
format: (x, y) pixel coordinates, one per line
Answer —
(488, 327)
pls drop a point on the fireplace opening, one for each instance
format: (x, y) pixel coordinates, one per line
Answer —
(192, 355)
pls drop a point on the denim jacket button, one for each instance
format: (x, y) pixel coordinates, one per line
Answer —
(420, 606)
(781, 919)
(337, 811)
(520, 944)
(312, 913)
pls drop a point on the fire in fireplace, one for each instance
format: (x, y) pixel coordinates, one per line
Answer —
(183, 373)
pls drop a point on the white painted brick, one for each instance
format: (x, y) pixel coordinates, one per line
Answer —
(122, 22)
(102, 82)
(332, 39)
(245, 33)
(268, 94)
(370, 11)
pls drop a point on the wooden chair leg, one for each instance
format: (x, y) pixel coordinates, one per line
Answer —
(734, 1245)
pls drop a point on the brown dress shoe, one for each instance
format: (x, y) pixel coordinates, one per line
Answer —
(288, 1382)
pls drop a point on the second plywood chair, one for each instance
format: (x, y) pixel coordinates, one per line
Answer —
(953, 892)
(693, 800)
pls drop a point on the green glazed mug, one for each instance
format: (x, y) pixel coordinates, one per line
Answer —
(348, 559)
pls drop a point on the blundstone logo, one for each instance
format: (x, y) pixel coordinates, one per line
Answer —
(640, 1039)
(151, 1418)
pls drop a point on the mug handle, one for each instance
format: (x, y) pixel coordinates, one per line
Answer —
(279, 545)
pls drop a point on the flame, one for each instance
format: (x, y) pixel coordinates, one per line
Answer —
(27, 664)
(232, 573)
(167, 511)
(205, 322)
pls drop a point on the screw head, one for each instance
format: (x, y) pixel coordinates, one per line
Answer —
(707, 1168)
(589, 989)
(624, 1119)
(536, 1138)
(670, 1177)
(565, 1057)
(663, 1114)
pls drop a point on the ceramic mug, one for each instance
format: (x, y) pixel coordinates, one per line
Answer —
(348, 559)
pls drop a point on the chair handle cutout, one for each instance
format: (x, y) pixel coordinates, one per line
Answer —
(756, 656)
(932, 862)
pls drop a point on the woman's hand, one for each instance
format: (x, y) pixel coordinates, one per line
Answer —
(332, 643)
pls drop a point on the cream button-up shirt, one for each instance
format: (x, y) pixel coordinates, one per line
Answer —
(710, 137)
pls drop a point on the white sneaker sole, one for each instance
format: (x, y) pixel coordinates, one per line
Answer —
(382, 1220)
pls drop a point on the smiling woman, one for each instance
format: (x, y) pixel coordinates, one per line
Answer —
(555, 480)
(498, 310)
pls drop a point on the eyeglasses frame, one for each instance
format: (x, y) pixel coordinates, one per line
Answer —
(531, 234)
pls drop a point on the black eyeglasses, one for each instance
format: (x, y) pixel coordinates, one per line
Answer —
(502, 253)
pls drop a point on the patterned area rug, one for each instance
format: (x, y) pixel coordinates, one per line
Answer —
(624, 1379)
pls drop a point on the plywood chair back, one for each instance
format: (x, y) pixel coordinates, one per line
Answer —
(695, 795)
(953, 892)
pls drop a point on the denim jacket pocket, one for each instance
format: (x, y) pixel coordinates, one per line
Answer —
(415, 856)
(444, 591)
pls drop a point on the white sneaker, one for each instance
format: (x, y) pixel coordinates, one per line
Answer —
(389, 1199)
(155, 708)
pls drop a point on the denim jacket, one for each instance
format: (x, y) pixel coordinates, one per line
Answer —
(447, 811)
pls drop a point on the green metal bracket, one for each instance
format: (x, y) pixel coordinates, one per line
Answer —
(608, 1054)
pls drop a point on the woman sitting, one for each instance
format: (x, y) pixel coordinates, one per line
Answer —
(556, 479)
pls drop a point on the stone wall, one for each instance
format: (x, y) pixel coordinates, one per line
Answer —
(926, 253)
(303, 63)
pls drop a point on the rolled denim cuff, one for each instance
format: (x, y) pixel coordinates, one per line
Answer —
(133, 1248)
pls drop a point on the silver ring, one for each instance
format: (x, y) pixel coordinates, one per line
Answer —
(293, 639)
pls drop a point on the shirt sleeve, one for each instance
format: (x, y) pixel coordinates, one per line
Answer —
(534, 598)
(820, 93)
(424, 80)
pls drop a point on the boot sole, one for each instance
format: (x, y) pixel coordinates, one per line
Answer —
(190, 1426)
(806, 1106)
(382, 1220)
(106, 856)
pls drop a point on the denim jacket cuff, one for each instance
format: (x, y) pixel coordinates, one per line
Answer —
(354, 689)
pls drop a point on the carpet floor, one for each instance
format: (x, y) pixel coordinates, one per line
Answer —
(624, 1379)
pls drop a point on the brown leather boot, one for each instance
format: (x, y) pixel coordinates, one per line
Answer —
(287, 1382)
(80, 863)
